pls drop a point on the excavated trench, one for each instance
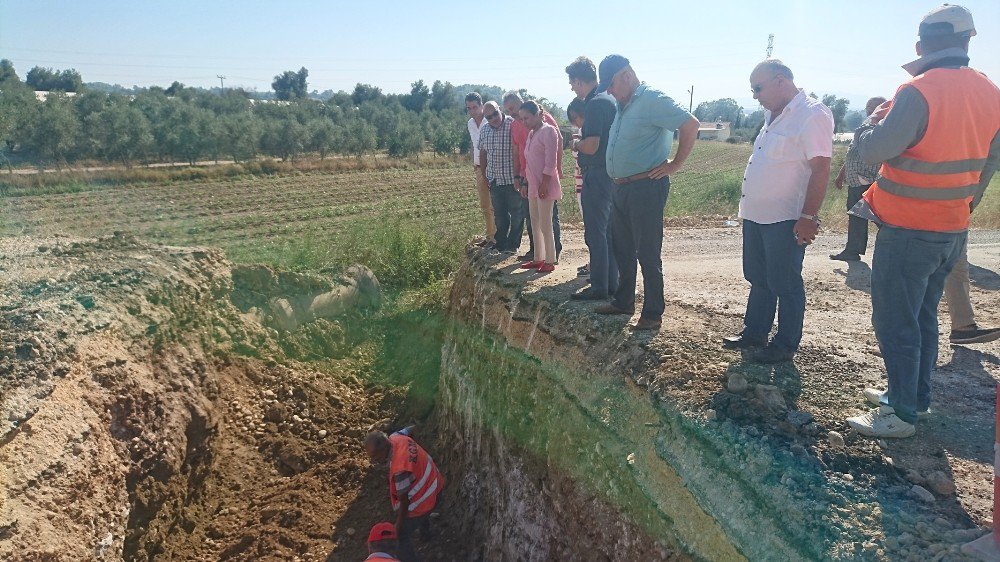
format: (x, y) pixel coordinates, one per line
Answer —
(161, 404)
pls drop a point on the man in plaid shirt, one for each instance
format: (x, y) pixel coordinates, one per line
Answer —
(859, 177)
(497, 151)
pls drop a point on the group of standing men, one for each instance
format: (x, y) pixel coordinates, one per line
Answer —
(626, 137)
(930, 153)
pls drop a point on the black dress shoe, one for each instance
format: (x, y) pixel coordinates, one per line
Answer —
(610, 308)
(773, 354)
(739, 341)
(845, 256)
(588, 295)
(646, 324)
(975, 334)
(529, 256)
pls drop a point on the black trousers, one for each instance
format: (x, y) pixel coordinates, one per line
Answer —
(637, 227)
(857, 227)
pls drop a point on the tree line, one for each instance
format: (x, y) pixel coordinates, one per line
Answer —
(185, 124)
(746, 126)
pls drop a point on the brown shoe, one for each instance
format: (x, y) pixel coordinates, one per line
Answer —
(610, 308)
(647, 324)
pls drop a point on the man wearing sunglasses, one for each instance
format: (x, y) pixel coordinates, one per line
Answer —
(783, 188)
(497, 151)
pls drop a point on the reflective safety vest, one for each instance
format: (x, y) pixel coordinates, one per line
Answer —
(427, 482)
(930, 185)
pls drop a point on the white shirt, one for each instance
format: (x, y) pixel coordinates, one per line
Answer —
(474, 133)
(777, 175)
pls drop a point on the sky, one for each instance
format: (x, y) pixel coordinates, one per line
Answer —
(850, 48)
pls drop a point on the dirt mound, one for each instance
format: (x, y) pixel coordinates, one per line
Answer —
(147, 410)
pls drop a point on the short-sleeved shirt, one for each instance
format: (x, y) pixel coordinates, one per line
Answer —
(519, 136)
(777, 175)
(642, 132)
(499, 154)
(598, 115)
(474, 132)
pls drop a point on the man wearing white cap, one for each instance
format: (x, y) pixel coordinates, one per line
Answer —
(939, 142)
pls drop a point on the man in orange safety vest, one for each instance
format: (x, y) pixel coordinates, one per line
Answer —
(414, 484)
(939, 143)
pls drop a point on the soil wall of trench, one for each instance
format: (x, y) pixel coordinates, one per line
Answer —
(567, 440)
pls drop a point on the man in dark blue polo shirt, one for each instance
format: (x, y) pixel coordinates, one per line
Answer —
(638, 162)
(599, 113)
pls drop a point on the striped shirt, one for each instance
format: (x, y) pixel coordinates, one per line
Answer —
(499, 152)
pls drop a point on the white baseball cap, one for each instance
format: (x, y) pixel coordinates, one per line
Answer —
(947, 19)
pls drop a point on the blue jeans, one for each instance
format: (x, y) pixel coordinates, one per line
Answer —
(772, 263)
(908, 272)
(637, 224)
(508, 215)
(555, 227)
(596, 200)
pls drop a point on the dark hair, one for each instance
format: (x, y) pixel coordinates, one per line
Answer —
(532, 107)
(388, 546)
(474, 96)
(582, 69)
(935, 43)
(576, 106)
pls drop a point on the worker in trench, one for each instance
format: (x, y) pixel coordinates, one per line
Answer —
(414, 485)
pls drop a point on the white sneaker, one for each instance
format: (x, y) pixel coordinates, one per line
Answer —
(881, 422)
(874, 395)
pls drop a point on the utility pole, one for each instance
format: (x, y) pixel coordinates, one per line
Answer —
(691, 103)
(770, 45)
(222, 86)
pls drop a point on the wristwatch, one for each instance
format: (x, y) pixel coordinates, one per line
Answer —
(814, 218)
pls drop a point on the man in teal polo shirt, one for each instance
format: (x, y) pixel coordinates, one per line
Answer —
(638, 162)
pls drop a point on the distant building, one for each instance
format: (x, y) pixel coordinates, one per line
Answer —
(42, 95)
(717, 131)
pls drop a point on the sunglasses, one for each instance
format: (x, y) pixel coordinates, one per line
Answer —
(756, 88)
(490, 116)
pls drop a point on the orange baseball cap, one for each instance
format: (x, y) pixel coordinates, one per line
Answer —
(382, 531)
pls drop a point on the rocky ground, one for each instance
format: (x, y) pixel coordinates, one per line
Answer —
(937, 486)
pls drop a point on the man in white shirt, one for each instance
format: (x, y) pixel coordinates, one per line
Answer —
(783, 188)
(474, 107)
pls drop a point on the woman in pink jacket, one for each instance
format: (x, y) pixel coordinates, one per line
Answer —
(543, 155)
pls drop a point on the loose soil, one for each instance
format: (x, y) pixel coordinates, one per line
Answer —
(146, 416)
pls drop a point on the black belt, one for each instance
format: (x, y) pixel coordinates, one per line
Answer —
(630, 179)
